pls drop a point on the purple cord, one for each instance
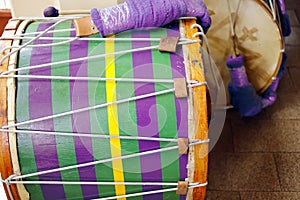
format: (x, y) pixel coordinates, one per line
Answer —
(282, 6)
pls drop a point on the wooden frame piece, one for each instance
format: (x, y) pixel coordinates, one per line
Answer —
(6, 167)
(198, 118)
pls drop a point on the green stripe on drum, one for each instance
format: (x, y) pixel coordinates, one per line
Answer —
(166, 114)
(127, 114)
(61, 103)
(24, 142)
(98, 117)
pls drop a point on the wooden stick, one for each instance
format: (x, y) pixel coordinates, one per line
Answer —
(73, 12)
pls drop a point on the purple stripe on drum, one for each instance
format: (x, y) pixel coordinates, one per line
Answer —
(40, 104)
(146, 116)
(81, 121)
(178, 71)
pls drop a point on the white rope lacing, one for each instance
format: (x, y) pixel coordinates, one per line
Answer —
(32, 40)
(100, 106)
(49, 182)
(91, 135)
(90, 39)
(190, 186)
(67, 40)
(201, 33)
(197, 185)
(7, 184)
(105, 160)
(91, 57)
(41, 45)
(78, 78)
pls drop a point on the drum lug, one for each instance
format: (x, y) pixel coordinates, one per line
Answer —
(168, 44)
(183, 146)
(182, 187)
(85, 27)
(180, 87)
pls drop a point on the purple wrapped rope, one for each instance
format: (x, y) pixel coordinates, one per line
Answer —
(281, 4)
(284, 19)
(269, 96)
(147, 13)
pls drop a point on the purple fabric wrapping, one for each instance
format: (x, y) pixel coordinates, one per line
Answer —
(237, 71)
(113, 19)
(147, 13)
(198, 9)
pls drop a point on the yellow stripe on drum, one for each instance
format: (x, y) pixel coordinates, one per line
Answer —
(113, 125)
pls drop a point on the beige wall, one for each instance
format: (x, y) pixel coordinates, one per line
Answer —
(21, 8)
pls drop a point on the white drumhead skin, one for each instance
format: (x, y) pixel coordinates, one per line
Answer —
(259, 39)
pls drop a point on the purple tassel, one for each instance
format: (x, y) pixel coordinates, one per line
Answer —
(237, 71)
(242, 94)
(147, 13)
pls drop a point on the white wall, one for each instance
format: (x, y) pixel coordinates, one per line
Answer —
(22, 8)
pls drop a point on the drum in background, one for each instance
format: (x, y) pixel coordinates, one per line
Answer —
(117, 133)
(258, 40)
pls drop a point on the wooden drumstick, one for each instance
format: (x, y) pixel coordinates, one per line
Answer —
(53, 12)
(232, 20)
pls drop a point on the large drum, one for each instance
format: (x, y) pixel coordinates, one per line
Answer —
(258, 39)
(102, 118)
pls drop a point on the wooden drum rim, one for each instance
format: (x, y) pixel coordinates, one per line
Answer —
(6, 166)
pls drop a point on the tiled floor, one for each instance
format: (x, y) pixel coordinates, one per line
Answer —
(259, 158)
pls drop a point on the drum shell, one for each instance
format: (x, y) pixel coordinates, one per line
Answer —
(36, 98)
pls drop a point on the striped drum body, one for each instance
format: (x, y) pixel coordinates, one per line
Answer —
(114, 134)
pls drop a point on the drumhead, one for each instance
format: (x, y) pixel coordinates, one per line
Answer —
(259, 40)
